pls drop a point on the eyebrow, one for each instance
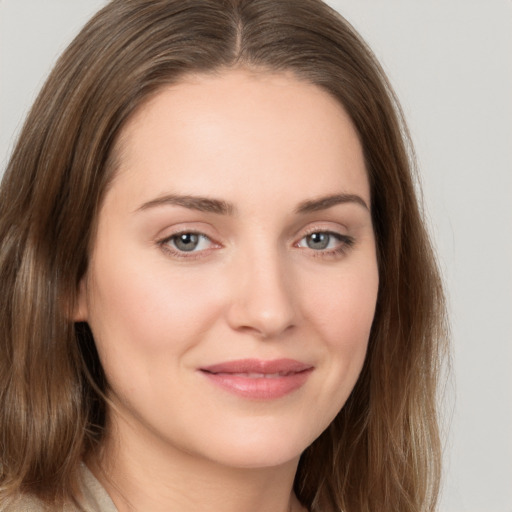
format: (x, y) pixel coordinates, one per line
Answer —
(202, 204)
(323, 203)
(221, 207)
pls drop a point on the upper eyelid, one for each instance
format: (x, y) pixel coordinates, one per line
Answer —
(186, 232)
(171, 231)
(338, 226)
(347, 239)
(318, 229)
(333, 228)
(298, 235)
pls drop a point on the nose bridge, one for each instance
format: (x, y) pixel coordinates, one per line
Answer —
(263, 298)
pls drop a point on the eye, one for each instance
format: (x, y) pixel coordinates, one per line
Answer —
(327, 241)
(187, 242)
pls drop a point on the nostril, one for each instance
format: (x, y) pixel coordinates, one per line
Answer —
(262, 302)
(265, 323)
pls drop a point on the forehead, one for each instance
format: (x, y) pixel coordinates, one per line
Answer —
(214, 134)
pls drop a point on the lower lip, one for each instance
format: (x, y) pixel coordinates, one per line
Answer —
(259, 388)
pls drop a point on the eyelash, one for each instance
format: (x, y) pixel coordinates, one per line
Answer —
(189, 255)
(345, 243)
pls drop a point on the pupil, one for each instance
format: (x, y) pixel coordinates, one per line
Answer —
(318, 240)
(187, 241)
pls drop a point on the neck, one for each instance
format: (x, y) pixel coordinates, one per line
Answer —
(148, 475)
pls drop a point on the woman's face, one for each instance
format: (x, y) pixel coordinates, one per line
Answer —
(233, 277)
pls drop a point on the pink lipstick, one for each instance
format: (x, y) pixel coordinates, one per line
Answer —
(259, 379)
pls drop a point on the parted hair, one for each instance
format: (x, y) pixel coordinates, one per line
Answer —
(382, 451)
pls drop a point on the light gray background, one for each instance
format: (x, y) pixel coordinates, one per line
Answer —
(450, 62)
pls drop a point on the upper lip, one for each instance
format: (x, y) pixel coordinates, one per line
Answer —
(259, 366)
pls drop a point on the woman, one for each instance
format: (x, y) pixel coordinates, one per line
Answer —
(218, 290)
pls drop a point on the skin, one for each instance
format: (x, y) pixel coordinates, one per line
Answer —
(255, 287)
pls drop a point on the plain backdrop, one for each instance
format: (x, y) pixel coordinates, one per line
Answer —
(450, 63)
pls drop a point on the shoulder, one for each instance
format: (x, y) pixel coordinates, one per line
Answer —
(24, 503)
(28, 503)
(95, 499)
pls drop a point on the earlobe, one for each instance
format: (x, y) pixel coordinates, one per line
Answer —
(80, 312)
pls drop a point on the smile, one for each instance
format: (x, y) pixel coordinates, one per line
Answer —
(261, 375)
(258, 379)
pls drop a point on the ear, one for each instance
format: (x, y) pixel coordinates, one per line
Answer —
(81, 313)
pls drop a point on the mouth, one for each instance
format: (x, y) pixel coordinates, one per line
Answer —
(259, 379)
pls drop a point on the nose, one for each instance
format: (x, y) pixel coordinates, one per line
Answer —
(263, 302)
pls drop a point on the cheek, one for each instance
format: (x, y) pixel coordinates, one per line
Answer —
(343, 306)
(139, 313)
(342, 309)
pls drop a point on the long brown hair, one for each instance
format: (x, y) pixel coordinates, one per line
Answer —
(382, 451)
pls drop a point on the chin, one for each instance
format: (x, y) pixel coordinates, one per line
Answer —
(260, 449)
(259, 458)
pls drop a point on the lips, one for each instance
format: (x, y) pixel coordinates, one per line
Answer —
(259, 379)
